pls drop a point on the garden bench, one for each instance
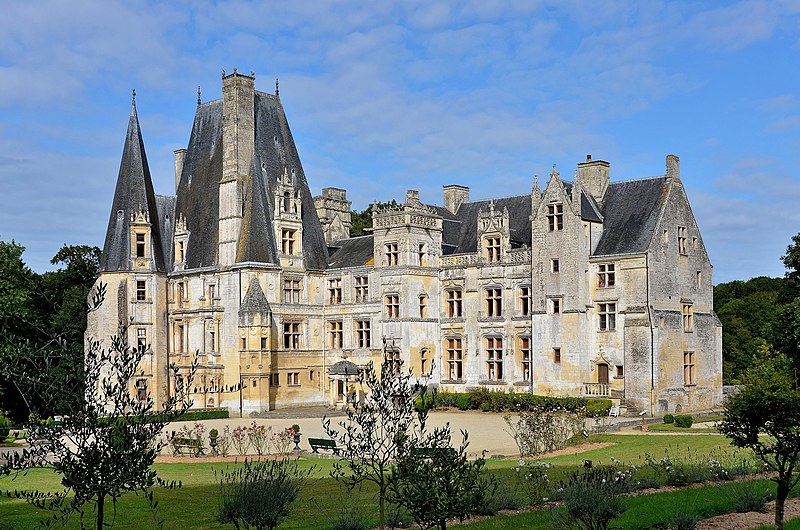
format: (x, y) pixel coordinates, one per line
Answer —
(323, 443)
(191, 445)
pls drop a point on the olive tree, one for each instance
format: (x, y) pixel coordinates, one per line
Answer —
(765, 417)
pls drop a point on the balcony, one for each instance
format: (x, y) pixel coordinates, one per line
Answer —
(596, 390)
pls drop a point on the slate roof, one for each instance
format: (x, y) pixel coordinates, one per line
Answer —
(519, 211)
(198, 189)
(630, 211)
(166, 223)
(343, 368)
(254, 300)
(352, 252)
(133, 194)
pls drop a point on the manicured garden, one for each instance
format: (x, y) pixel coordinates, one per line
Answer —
(658, 460)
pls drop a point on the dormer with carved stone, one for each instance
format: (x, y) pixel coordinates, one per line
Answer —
(494, 237)
(288, 218)
(407, 235)
(333, 210)
(180, 241)
(141, 241)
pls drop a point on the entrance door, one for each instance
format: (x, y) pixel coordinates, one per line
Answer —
(602, 373)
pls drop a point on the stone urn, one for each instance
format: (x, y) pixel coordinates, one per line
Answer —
(296, 429)
(212, 440)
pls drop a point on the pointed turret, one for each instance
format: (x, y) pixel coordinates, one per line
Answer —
(132, 240)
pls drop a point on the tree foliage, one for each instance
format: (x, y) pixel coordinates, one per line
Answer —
(370, 435)
(107, 444)
(259, 494)
(362, 221)
(765, 417)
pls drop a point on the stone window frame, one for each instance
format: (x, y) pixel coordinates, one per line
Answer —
(555, 305)
(557, 354)
(454, 302)
(606, 275)
(555, 217)
(492, 247)
(682, 238)
(454, 356)
(361, 288)
(140, 242)
(555, 265)
(525, 300)
(687, 313)
(423, 305)
(493, 298)
(292, 378)
(141, 339)
(292, 290)
(392, 253)
(336, 334)
(335, 291)
(525, 348)
(141, 290)
(391, 303)
(493, 348)
(363, 331)
(422, 253)
(607, 316)
(289, 246)
(689, 368)
(292, 335)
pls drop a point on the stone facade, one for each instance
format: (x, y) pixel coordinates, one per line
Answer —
(583, 288)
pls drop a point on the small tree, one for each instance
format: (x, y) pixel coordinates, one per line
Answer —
(435, 482)
(107, 444)
(591, 499)
(259, 494)
(765, 417)
(544, 429)
(369, 437)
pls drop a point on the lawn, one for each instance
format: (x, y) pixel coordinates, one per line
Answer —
(193, 505)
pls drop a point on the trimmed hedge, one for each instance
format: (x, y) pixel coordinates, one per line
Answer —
(486, 401)
(683, 421)
(669, 418)
(199, 415)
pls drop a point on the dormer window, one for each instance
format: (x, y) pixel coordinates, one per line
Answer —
(180, 251)
(140, 245)
(555, 217)
(287, 201)
(289, 241)
(492, 249)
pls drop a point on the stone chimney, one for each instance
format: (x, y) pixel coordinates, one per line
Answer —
(594, 177)
(673, 167)
(455, 196)
(333, 210)
(180, 157)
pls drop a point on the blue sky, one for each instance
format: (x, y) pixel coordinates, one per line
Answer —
(382, 97)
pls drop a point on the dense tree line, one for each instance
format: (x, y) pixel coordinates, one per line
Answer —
(362, 221)
(42, 321)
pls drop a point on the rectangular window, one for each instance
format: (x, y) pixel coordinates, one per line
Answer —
(556, 305)
(140, 246)
(699, 279)
(212, 341)
(605, 275)
(335, 335)
(212, 291)
(179, 338)
(688, 368)
(525, 301)
(180, 249)
(181, 292)
(275, 380)
(392, 306)
(141, 339)
(494, 358)
(682, 240)
(421, 254)
(391, 254)
(363, 334)
(335, 291)
(525, 358)
(492, 246)
(141, 290)
(688, 318)
(263, 343)
(608, 316)
(455, 359)
(423, 306)
(555, 265)
(555, 217)
(620, 371)
(557, 355)
(454, 303)
(423, 361)
(394, 361)
(244, 343)
(293, 379)
(288, 242)
(362, 289)
(494, 302)
(291, 335)
(291, 291)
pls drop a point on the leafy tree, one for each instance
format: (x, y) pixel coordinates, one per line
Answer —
(109, 441)
(435, 482)
(361, 221)
(765, 417)
(259, 494)
(370, 437)
(791, 260)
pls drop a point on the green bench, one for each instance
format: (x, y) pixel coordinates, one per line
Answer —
(323, 443)
(191, 445)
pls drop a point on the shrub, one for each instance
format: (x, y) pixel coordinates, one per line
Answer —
(5, 428)
(534, 482)
(542, 431)
(669, 418)
(683, 421)
(486, 407)
(751, 496)
(596, 408)
(591, 498)
(463, 401)
(195, 415)
(350, 520)
(683, 521)
(502, 497)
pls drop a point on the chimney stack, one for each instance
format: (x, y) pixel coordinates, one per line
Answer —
(673, 167)
(180, 157)
(455, 196)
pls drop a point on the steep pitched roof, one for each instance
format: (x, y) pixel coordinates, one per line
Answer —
(198, 191)
(165, 204)
(630, 212)
(352, 252)
(254, 300)
(133, 195)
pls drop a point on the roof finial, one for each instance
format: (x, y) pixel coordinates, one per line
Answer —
(277, 89)
(133, 97)
(223, 72)
(198, 96)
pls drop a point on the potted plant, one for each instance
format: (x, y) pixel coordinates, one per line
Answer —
(213, 434)
(296, 433)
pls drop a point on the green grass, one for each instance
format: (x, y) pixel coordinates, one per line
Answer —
(193, 505)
